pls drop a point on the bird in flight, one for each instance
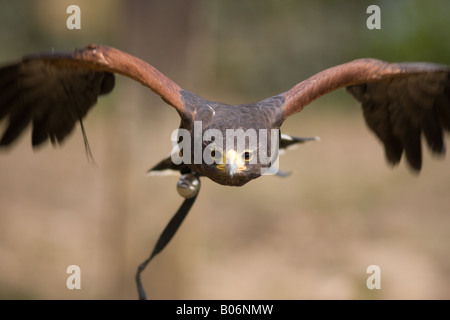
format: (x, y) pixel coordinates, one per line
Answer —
(400, 102)
(229, 144)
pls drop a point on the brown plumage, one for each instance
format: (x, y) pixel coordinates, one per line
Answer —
(400, 101)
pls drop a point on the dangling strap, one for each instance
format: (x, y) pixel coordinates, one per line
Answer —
(164, 239)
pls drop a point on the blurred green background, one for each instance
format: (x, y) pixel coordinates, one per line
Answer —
(309, 236)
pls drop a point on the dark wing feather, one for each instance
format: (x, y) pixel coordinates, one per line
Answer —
(54, 91)
(168, 165)
(52, 99)
(400, 101)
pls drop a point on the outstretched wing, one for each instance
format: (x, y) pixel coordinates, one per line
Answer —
(400, 101)
(55, 90)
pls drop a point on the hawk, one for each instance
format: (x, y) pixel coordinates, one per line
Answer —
(400, 102)
(53, 91)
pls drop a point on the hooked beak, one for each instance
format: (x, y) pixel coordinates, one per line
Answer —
(230, 163)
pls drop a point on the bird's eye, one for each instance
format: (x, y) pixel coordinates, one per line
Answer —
(216, 154)
(247, 155)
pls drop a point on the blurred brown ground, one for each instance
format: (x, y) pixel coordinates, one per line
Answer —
(308, 236)
(311, 235)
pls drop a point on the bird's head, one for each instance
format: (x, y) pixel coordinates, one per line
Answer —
(231, 166)
(234, 151)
